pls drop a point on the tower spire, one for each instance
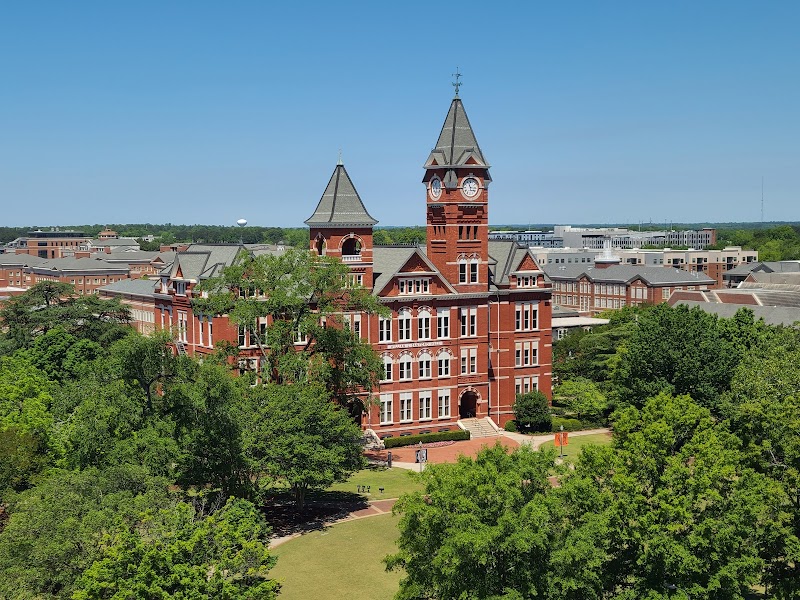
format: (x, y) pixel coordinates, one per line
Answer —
(457, 84)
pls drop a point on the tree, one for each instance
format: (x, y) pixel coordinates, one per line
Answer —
(175, 553)
(56, 530)
(480, 529)
(295, 434)
(305, 298)
(764, 410)
(51, 304)
(532, 412)
(583, 397)
(672, 501)
(678, 351)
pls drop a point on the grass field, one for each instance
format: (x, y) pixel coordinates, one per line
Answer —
(343, 561)
(575, 443)
(395, 482)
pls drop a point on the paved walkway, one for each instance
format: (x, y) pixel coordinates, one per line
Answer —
(537, 440)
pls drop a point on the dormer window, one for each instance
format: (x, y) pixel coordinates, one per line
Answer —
(180, 288)
(414, 286)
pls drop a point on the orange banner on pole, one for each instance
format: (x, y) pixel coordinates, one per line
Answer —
(561, 439)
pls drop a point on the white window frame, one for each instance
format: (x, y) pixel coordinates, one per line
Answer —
(384, 329)
(404, 325)
(388, 368)
(443, 363)
(444, 404)
(424, 361)
(405, 365)
(406, 407)
(386, 409)
(425, 405)
(442, 323)
(423, 324)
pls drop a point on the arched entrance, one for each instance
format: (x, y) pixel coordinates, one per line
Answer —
(467, 405)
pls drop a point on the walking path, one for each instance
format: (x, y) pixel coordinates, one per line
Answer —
(403, 458)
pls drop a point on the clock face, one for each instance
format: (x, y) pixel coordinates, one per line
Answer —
(436, 188)
(469, 187)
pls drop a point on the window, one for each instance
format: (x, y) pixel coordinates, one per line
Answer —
(404, 325)
(405, 406)
(443, 323)
(353, 323)
(355, 280)
(523, 385)
(405, 367)
(444, 404)
(423, 324)
(386, 409)
(417, 286)
(199, 327)
(424, 363)
(526, 317)
(462, 270)
(180, 288)
(387, 369)
(210, 339)
(473, 270)
(424, 406)
(384, 330)
(526, 354)
(469, 321)
(443, 361)
(242, 337)
(469, 361)
(665, 293)
(182, 326)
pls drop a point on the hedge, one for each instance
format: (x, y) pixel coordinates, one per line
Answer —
(510, 426)
(569, 424)
(441, 436)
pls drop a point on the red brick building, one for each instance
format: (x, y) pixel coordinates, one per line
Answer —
(470, 320)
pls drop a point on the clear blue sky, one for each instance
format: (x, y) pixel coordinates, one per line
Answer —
(205, 112)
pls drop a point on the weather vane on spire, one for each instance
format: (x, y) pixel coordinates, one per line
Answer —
(340, 157)
(457, 84)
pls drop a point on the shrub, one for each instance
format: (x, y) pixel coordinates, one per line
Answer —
(569, 424)
(510, 426)
(532, 411)
(441, 436)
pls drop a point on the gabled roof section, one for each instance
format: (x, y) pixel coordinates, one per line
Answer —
(201, 261)
(627, 274)
(457, 144)
(508, 256)
(340, 204)
(389, 261)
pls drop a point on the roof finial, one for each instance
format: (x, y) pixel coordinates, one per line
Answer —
(340, 158)
(457, 84)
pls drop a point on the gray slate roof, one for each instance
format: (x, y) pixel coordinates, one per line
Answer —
(20, 260)
(772, 315)
(98, 243)
(782, 266)
(340, 204)
(136, 287)
(78, 265)
(201, 261)
(627, 273)
(387, 261)
(507, 256)
(457, 142)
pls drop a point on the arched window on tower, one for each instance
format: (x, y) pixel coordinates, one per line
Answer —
(320, 245)
(351, 247)
(462, 269)
(474, 261)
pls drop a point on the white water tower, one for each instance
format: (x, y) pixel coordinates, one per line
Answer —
(241, 223)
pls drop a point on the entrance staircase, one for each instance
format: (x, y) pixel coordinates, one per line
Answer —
(478, 428)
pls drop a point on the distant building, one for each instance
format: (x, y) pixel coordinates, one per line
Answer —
(592, 289)
(566, 236)
(714, 263)
(52, 244)
(86, 274)
(139, 296)
(737, 275)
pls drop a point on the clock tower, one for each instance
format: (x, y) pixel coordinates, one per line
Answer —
(456, 185)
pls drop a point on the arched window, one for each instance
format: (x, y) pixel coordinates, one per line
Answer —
(462, 269)
(443, 359)
(405, 366)
(474, 261)
(423, 323)
(424, 363)
(404, 324)
(387, 367)
(351, 247)
(320, 245)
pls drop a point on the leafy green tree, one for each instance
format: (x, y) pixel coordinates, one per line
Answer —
(21, 458)
(764, 410)
(678, 351)
(532, 412)
(304, 298)
(583, 397)
(480, 529)
(671, 502)
(61, 356)
(51, 304)
(56, 529)
(174, 553)
(296, 435)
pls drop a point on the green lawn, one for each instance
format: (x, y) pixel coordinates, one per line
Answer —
(575, 443)
(343, 561)
(395, 482)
